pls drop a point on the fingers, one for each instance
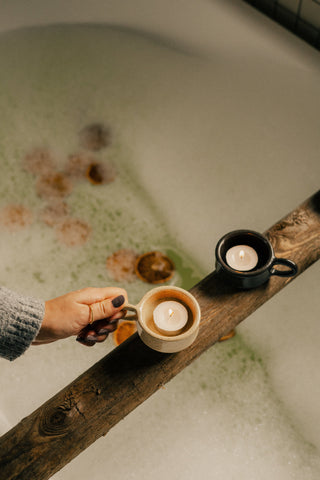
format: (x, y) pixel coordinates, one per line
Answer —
(110, 324)
(107, 308)
(104, 307)
(99, 330)
(92, 295)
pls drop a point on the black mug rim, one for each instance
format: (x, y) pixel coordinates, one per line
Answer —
(267, 265)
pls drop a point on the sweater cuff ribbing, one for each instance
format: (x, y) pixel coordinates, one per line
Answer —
(20, 321)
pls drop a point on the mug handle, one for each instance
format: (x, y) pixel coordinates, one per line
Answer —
(130, 308)
(293, 269)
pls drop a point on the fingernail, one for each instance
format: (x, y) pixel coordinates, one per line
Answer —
(90, 338)
(118, 301)
(112, 322)
(103, 331)
(84, 341)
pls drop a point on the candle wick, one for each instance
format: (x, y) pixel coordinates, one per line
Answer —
(171, 313)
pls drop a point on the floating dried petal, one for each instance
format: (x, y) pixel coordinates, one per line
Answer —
(95, 137)
(53, 185)
(73, 232)
(77, 165)
(15, 217)
(39, 162)
(54, 212)
(121, 265)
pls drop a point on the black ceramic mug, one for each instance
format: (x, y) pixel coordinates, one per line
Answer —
(266, 261)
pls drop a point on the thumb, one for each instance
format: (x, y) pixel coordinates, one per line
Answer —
(106, 308)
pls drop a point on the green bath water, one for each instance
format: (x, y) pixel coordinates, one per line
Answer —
(223, 416)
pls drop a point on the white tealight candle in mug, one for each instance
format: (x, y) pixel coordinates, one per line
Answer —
(242, 257)
(170, 317)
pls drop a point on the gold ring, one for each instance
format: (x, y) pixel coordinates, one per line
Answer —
(91, 315)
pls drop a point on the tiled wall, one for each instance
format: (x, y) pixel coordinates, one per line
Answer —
(302, 17)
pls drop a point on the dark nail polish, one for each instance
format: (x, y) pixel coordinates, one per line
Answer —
(118, 301)
(84, 341)
(103, 331)
(113, 322)
(90, 338)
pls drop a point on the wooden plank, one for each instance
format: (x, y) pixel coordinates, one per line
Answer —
(49, 438)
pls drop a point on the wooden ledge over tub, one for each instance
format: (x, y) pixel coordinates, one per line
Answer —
(49, 438)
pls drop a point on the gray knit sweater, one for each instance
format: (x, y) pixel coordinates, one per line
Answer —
(20, 321)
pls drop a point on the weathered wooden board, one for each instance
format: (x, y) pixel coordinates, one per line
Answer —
(49, 438)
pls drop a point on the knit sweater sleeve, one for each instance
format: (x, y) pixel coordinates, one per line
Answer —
(20, 322)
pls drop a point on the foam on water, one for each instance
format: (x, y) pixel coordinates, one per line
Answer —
(234, 413)
(217, 419)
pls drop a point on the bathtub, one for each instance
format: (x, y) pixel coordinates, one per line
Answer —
(214, 115)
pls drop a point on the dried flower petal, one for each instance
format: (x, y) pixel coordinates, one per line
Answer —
(95, 137)
(73, 232)
(39, 162)
(54, 213)
(53, 185)
(77, 165)
(121, 265)
(15, 217)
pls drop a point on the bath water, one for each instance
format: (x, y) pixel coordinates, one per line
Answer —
(248, 408)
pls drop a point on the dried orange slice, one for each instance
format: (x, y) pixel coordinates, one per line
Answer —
(228, 336)
(98, 173)
(154, 267)
(124, 331)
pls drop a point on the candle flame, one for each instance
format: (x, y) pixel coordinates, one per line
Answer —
(171, 312)
(241, 254)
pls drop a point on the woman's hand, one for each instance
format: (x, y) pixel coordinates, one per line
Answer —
(89, 313)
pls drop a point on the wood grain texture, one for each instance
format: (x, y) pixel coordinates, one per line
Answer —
(49, 438)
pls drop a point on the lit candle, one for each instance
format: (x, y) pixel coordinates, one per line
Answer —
(170, 317)
(242, 257)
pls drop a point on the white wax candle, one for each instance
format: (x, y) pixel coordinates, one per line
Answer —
(170, 317)
(242, 257)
